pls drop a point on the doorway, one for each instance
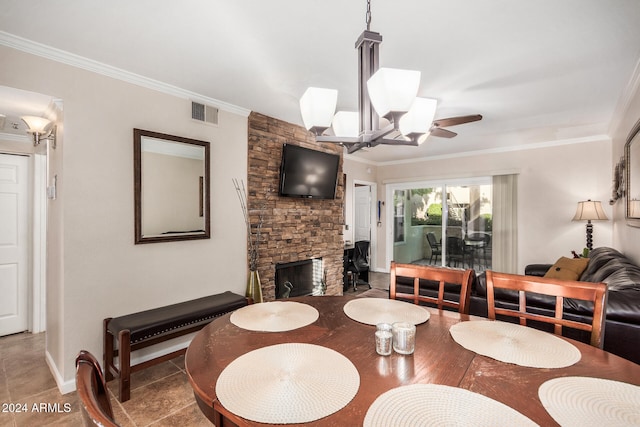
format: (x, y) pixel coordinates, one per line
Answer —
(14, 243)
(363, 213)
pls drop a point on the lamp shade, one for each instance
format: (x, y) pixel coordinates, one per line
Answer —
(589, 211)
(634, 208)
(393, 90)
(36, 124)
(317, 106)
(420, 116)
(346, 123)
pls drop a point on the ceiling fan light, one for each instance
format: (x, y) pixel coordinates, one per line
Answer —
(36, 124)
(393, 90)
(420, 116)
(317, 106)
(346, 123)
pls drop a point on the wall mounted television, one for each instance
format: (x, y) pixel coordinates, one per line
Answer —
(308, 173)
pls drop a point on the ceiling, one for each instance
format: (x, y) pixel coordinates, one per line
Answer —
(540, 72)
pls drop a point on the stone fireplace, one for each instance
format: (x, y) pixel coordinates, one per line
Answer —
(299, 278)
(293, 229)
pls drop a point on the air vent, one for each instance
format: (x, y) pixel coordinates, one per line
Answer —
(204, 113)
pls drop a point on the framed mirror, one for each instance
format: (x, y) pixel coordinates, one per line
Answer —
(171, 187)
(632, 169)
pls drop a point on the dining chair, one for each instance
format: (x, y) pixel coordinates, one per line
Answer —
(359, 264)
(444, 276)
(435, 246)
(92, 391)
(560, 289)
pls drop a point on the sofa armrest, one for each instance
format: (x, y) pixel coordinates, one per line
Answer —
(537, 269)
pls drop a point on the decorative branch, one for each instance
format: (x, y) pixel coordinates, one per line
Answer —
(253, 238)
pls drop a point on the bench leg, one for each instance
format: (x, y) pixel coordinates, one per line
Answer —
(108, 350)
(124, 358)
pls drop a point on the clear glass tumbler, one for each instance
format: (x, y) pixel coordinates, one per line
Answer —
(404, 337)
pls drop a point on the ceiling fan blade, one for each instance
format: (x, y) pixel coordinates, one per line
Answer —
(452, 121)
(442, 133)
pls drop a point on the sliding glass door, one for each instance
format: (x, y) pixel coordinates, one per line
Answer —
(442, 223)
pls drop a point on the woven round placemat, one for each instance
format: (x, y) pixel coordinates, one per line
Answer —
(372, 311)
(275, 316)
(440, 405)
(586, 401)
(513, 343)
(288, 383)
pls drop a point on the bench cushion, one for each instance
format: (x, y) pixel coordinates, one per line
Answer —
(151, 323)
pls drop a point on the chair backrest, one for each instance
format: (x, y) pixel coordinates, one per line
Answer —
(361, 251)
(94, 399)
(433, 241)
(442, 275)
(455, 245)
(560, 289)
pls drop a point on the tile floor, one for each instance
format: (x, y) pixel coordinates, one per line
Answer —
(160, 395)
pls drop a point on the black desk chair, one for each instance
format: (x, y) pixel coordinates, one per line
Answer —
(359, 264)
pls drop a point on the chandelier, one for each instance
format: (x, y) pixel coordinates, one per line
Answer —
(389, 112)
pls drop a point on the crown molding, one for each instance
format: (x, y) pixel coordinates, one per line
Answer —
(58, 55)
(632, 88)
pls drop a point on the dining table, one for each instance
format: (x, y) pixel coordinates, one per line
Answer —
(437, 359)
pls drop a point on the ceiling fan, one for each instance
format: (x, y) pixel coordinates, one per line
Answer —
(438, 125)
(384, 93)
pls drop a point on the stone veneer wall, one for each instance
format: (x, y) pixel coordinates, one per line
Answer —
(293, 229)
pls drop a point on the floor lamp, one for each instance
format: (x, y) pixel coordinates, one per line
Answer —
(590, 211)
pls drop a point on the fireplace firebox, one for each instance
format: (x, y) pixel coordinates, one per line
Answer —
(300, 278)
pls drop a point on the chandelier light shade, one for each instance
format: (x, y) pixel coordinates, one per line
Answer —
(590, 210)
(345, 123)
(317, 106)
(392, 90)
(418, 119)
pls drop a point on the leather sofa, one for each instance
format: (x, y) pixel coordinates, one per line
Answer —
(622, 327)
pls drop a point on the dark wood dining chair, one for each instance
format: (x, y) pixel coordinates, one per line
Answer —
(443, 276)
(560, 289)
(92, 391)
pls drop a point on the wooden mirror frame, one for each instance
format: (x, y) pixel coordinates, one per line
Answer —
(205, 192)
(632, 175)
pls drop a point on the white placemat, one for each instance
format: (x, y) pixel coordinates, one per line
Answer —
(275, 316)
(513, 343)
(288, 383)
(585, 401)
(440, 405)
(377, 310)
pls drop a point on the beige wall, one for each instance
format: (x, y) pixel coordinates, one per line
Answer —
(626, 237)
(551, 181)
(94, 268)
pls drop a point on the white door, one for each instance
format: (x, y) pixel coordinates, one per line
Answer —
(362, 204)
(14, 217)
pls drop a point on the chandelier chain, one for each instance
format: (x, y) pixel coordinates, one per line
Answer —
(368, 15)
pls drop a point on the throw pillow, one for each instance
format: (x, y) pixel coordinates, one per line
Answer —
(567, 268)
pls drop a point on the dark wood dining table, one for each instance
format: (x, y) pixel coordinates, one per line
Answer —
(437, 359)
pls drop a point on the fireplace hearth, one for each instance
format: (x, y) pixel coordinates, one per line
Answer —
(299, 278)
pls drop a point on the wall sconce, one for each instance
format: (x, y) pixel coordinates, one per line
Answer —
(37, 126)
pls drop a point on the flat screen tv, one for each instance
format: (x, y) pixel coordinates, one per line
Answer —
(308, 173)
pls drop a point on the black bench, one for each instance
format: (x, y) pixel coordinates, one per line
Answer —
(139, 330)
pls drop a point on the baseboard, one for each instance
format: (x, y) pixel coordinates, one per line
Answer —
(63, 386)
